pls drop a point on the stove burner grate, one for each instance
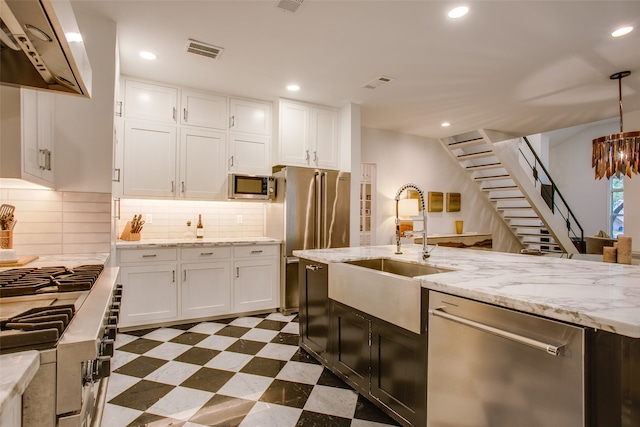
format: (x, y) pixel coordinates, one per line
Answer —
(38, 328)
(29, 281)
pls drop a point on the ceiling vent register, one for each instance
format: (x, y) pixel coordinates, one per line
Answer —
(204, 49)
(289, 5)
(376, 83)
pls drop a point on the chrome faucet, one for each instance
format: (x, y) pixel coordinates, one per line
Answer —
(425, 251)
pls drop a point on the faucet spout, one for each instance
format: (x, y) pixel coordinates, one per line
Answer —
(425, 251)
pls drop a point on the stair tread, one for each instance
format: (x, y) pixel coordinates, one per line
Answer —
(478, 155)
(542, 236)
(496, 199)
(501, 188)
(512, 208)
(467, 143)
(491, 177)
(487, 166)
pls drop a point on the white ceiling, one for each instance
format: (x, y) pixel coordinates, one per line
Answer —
(520, 67)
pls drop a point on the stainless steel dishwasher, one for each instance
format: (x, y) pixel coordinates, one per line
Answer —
(494, 367)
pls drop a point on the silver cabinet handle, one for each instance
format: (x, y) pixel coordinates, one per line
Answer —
(184, 114)
(315, 157)
(257, 251)
(149, 255)
(173, 186)
(119, 109)
(173, 280)
(232, 121)
(231, 162)
(539, 345)
(182, 186)
(174, 114)
(237, 271)
(307, 156)
(313, 267)
(117, 171)
(206, 253)
(184, 275)
(46, 155)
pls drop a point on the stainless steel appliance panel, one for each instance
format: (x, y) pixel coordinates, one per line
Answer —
(310, 211)
(493, 367)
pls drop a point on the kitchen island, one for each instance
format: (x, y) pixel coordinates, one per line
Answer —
(602, 299)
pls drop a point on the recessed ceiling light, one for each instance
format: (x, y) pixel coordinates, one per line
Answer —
(73, 37)
(148, 55)
(621, 31)
(458, 12)
(445, 124)
(293, 88)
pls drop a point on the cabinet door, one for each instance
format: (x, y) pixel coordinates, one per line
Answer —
(150, 102)
(350, 351)
(203, 170)
(149, 295)
(206, 289)
(294, 131)
(314, 307)
(324, 138)
(249, 154)
(37, 135)
(399, 370)
(149, 159)
(250, 116)
(203, 109)
(255, 285)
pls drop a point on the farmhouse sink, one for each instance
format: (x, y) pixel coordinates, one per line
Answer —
(401, 268)
(381, 287)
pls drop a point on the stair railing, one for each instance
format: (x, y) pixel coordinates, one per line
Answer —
(548, 193)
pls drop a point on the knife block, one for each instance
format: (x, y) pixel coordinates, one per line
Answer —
(128, 235)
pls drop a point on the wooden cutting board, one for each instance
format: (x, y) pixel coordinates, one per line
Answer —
(23, 260)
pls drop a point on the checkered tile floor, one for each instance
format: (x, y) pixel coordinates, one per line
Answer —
(246, 371)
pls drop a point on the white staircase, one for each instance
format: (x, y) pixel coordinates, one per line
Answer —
(493, 161)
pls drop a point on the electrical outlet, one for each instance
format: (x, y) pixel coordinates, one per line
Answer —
(239, 219)
(148, 218)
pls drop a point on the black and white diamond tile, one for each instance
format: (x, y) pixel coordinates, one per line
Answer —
(245, 371)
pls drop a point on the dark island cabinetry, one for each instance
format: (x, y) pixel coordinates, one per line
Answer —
(383, 362)
(314, 308)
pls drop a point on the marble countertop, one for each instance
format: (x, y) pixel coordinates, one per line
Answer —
(192, 241)
(592, 294)
(16, 372)
(68, 260)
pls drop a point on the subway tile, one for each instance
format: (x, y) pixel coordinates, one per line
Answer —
(87, 217)
(86, 207)
(72, 238)
(72, 196)
(85, 248)
(86, 227)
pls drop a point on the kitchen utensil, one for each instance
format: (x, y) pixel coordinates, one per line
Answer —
(6, 215)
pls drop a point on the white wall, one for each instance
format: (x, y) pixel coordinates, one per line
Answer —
(402, 158)
(84, 127)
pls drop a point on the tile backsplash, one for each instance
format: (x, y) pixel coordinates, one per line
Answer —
(167, 219)
(52, 222)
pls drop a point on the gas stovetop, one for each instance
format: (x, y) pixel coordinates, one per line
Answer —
(37, 304)
(30, 281)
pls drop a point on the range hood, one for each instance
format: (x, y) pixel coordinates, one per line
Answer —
(34, 50)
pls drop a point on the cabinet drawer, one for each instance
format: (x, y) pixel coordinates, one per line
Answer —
(147, 255)
(205, 253)
(256, 250)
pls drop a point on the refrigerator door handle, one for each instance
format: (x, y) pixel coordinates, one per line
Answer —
(291, 260)
(317, 235)
(325, 203)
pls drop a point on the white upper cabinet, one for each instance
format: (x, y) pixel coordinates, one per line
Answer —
(308, 135)
(249, 154)
(249, 116)
(150, 102)
(204, 110)
(26, 135)
(202, 164)
(149, 159)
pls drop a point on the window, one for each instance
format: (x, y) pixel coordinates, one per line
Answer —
(616, 213)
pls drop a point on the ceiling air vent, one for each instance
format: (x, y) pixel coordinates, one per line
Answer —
(289, 5)
(373, 84)
(204, 49)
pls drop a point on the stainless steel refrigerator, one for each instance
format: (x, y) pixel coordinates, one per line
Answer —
(310, 211)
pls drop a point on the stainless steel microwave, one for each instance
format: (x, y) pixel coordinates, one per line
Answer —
(252, 187)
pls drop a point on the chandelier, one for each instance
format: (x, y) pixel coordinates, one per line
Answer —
(616, 154)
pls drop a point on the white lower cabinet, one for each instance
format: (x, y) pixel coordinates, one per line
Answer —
(149, 295)
(169, 284)
(205, 289)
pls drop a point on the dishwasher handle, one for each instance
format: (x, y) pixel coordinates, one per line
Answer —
(539, 345)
